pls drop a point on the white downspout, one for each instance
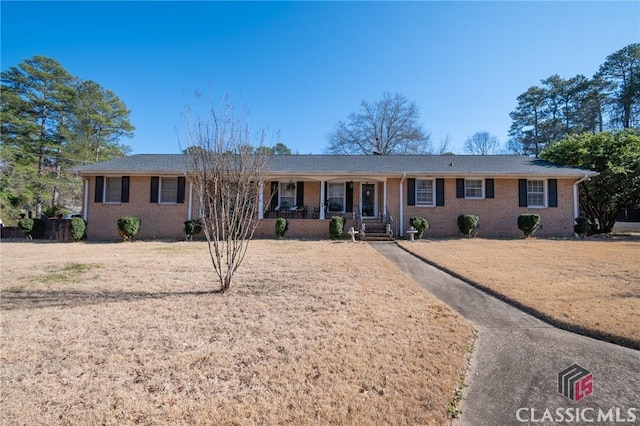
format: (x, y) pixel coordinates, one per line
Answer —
(190, 212)
(401, 220)
(85, 201)
(576, 203)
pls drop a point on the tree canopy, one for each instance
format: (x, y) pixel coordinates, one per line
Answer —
(559, 106)
(51, 121)
(482, 143)
(388, 126)
(616, 156)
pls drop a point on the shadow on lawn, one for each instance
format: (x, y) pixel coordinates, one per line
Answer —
(13, 299)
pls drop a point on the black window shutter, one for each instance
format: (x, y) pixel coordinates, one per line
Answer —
(439, 192)
(274, 194)
(300, 193)
(522, 193)
(411, 192)
(99, 189)
(155, 184)
(349, 195)
(459, 188)
(488, 188)
(124, 194)
(553, 192)
(181, 188)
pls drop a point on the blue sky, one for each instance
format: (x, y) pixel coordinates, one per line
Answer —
(299, 67)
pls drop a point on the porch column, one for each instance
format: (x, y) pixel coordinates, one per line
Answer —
(261, 201)
(322, 197)
(85, 207)
(401, 218)
(384, 198)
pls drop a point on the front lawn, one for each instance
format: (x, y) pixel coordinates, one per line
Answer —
(311, 333)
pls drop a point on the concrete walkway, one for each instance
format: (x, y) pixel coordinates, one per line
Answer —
(515, 367)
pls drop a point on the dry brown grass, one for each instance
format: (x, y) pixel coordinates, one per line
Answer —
(311, 333)
(592, 284)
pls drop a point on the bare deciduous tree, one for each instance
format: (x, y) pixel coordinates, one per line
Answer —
(228, 175)
(388, 126)
(482, 143)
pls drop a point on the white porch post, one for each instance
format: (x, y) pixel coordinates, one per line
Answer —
(261, 201)
(322, 197)
(384, 198)
(401, 219)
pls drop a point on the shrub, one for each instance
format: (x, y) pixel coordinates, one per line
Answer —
(421, 224)
(78, 229)
(128, 227)
(336, 226)
(191, 228)
(26, 225)
(467, 224)
(282, 226)
(528, 223)
(582, 226)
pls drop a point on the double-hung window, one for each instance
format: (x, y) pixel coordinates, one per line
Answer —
(336, 197)
(473, 188)
(535, 193)
(425, 194)
(287, 194)
(168, 190)
(113, 190)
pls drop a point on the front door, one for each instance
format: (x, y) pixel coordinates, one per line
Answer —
(369, 200)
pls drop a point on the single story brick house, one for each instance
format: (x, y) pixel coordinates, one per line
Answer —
(309, 189)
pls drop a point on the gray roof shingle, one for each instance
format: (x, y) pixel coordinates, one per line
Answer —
(388, 165)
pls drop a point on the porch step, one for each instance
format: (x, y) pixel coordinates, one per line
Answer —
(376, 230)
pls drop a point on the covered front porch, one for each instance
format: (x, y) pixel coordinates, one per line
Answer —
(300, 197)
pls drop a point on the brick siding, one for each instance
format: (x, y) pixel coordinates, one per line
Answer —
(498, 216)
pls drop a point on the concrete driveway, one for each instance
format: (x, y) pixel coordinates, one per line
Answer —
(518, 359)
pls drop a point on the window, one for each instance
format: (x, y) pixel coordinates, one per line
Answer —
(335, 197)
(535, 193)
(113, 190)
(287, 194)
(168, 190)
(473, 188)
(424, 192)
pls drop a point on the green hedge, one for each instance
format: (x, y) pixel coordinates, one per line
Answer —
(336, 226)
(282, 226)
(528, 223)
(78, 229)
(467, 224)
(128, 227)
(421, 224)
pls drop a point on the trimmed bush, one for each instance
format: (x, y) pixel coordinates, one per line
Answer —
(582, 226)
(336, 226)
(467, 224)
(128, 227)
(26, 225)
(78, 229)
(528, 223)
(282, 226)
(421, 224)
(191, 228)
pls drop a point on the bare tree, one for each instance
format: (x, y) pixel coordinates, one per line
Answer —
(388, 126)
(228, 175)
(445, 146)
(482, 143)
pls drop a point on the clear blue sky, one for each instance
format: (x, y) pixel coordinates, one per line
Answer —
(299, 67)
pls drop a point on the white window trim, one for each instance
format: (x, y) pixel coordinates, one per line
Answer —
(104, 190)
(545, 196)
(482, 188)
(344, 197)
(160, 190)
(433, 186)
(295, 193)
